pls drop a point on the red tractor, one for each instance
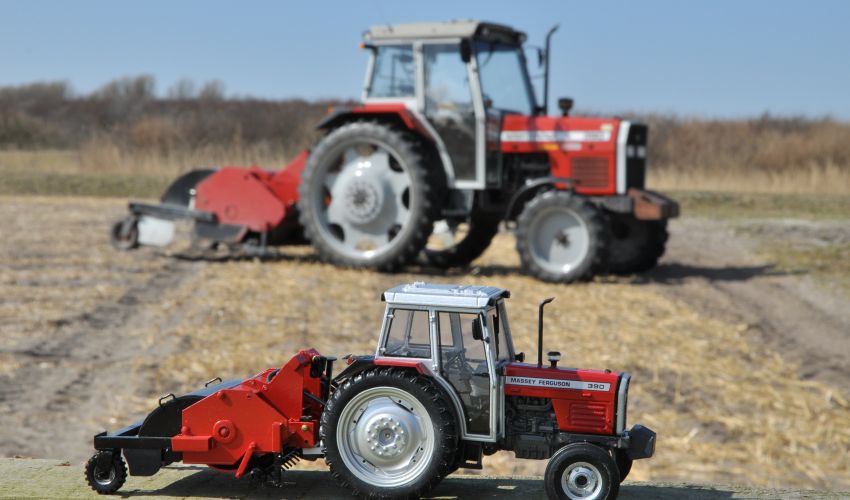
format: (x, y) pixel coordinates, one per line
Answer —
(443, 389)
(449, 141)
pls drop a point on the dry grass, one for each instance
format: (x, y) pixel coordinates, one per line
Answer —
(812, 179)
(726, 408)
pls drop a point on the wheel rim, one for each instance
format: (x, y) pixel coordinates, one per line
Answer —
(385, 437)
(559, 240)
(363, 199)
(104, 478)
(581, 481)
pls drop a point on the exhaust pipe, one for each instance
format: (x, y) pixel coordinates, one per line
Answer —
(540, 331)
(551, 32)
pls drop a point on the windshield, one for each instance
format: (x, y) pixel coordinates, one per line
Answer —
(393, 73)
(504, 79)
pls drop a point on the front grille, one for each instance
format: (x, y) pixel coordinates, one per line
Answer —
(587, 415)
(590, 171)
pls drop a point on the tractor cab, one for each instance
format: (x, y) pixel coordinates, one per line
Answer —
(459, 78)
(460, 335)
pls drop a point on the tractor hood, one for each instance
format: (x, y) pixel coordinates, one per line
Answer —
(583, 400)
(521, 133)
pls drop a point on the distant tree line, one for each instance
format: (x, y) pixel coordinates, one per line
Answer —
(128, 114)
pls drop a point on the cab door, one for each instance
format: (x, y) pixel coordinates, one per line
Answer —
(465, 363)
(450, 107)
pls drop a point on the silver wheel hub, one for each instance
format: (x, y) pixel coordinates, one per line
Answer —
(581, 481)
(560, 239)
(385, 437)
(363, 200)
(367, 200)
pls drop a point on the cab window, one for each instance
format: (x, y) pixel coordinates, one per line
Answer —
(408, 334)
(394, 72)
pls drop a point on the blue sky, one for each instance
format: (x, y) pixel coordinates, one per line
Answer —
(713, 58)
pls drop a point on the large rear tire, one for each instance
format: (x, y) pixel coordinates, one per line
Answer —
(389, 433)
(458, 245)
(561, 237)
(365, 200)
(636, 245)
(581, 471)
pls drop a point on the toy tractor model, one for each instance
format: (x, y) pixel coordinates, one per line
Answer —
(449, 141)
(443, 388)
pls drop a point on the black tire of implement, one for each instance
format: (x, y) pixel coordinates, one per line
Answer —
(116, 482)
(598, 236)
(439, 410)
(124, 242)
(482, 230)
(636, 245)
(582, 452)
(408, 148)
(624, 464)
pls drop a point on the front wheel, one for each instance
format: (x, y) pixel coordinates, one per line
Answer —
(582, 471)
(388, 433)
(106, 472)
(561, 237)
(636, 245)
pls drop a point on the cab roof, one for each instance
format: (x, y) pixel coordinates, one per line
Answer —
(459, 28)
(439, 295)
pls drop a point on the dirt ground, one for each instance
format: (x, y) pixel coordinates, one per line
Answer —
(741, 367)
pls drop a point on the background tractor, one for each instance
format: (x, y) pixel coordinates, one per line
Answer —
(449, 142)
(443, 388)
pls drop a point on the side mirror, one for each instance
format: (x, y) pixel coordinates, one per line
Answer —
(565, 104)
(519, 357)
(465, 50)
(477, 330)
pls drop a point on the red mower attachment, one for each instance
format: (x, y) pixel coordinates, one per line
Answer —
(259, 426)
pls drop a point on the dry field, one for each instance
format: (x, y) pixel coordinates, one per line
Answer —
(90, 338)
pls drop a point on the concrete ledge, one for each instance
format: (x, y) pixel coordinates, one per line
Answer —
(22, 478)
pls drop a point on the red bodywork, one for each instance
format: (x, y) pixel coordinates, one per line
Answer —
(252, 197)
(582, 149)
(263, 414)
(583, 400)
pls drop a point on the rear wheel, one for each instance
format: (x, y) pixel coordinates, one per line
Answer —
(561, 237)
(388, 433)
(106, 472)
(364, 197)
(581, 471)
(457, 244)
(636, 245)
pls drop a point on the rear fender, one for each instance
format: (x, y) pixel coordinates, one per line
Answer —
(395, 114)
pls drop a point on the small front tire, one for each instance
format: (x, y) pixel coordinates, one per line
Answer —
(582, 471)
(561, 237)
(109, 479)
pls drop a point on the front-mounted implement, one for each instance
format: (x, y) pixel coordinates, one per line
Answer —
(448, 142)
(443, 388)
